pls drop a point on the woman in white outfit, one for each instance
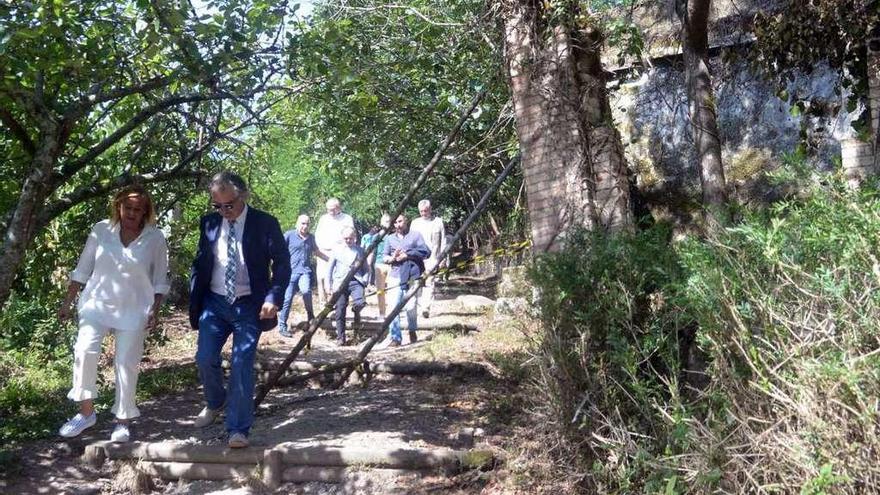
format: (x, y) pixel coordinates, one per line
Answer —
(121, 278)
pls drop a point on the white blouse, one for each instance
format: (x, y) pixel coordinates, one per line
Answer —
(121, 282)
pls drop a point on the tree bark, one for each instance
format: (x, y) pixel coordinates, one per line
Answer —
(572, 164)
(874, 94)
(610, 174)
(21, 228)
(694, 17)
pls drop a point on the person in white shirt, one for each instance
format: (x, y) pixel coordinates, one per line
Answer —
(432, 231)
(328, 237)
(121, 279)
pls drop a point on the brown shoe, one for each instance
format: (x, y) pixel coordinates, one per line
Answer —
(394, 343)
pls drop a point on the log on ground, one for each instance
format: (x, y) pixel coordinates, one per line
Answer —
(182, 452)
(198, 470)
(400, 458)
(428, 368)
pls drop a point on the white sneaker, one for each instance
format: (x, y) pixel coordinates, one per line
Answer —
(206, 417)
(120, 434)
(238, 441)
(77, 425)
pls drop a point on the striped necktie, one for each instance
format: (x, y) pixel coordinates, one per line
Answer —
(231, 262)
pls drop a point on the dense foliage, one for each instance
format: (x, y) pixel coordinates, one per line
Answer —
(733, 363)
(391, 81)
(96, 94)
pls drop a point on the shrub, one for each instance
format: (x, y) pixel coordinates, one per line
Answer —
(783, 307)
(608, 354)
(787, 305)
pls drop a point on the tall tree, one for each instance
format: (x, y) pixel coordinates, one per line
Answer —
(694, 17)
(574, 167)
(95, 94)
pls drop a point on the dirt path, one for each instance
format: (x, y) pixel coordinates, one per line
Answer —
(391, 411)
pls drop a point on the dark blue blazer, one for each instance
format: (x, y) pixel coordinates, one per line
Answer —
(265, 254)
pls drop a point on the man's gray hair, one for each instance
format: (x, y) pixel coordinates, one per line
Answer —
(227, 180)
(424, 203)
(333, 201)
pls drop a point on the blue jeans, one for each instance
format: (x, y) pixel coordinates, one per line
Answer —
(303, 283)
(218, 320)
(356, 292)
(411, 314)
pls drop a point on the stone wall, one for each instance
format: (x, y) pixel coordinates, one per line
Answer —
(759, 127)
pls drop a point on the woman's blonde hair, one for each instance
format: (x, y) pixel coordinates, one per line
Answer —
(126, 192)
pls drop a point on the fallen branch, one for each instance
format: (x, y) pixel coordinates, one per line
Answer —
(478, 209)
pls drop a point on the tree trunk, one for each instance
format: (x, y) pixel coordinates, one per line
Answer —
(610, 175)
(694, 16)
(570, 159)
(21, 229)
(550, 137)
(874, 94)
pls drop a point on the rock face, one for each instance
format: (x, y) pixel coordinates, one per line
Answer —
(758, 128)
(761, 124)
(514, 282)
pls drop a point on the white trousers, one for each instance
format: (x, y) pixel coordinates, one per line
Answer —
(322, 274)
(426, 293)
(87, 351)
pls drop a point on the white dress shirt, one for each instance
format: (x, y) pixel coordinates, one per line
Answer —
(221, 258)
(328, 233)
(434, 235)
(121, 282)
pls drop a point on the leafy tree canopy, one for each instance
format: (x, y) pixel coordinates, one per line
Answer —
(95, 94)
(392, 80)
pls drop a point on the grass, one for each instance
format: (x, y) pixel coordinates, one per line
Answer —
(33, 400)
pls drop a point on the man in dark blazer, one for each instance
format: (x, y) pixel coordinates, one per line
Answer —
(237, 284)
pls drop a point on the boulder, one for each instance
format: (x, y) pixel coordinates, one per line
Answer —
(471, 302)
(510, 307)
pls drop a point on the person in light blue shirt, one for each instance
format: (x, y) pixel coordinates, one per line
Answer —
(301, 245)
(381, 270)
(342, 260)
(366, 240)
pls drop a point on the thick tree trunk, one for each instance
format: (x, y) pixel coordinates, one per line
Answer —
(21, 229)
(610, 175)
(572, 163)
(694, 16)
(551, 139)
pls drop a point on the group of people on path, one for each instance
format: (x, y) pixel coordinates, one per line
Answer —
(245, 271)
(409, 251)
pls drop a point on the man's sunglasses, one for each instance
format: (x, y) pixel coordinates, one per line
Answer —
(224, 206)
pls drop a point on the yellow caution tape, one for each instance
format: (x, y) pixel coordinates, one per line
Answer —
(461, 265)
